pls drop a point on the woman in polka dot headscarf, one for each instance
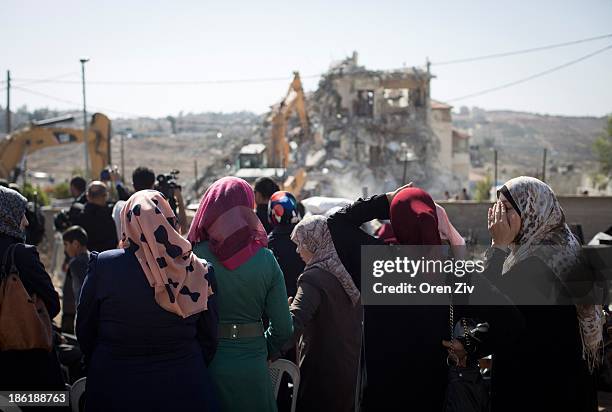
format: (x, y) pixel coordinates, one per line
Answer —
(147, 317)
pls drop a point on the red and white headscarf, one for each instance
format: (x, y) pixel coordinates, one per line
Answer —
(226, 219)
(178, 276)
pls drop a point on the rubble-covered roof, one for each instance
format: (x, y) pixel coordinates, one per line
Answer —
(437, 105)
(250, 174)
(460, 134)
(253, 148)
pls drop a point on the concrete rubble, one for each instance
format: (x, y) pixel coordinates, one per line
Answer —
(367, 127)
(368, 131)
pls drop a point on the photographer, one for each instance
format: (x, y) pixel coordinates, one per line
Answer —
(167, 185)
(117, 190)
(144, 178)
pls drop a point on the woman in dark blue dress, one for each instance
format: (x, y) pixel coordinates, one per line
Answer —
(147, 317)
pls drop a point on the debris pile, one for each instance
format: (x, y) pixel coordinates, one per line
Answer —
(366, 132)
(371, 131)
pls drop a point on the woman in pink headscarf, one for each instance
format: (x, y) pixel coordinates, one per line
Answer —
(228, 234)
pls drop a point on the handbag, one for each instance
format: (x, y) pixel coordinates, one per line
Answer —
(466, 390)
(25, 323)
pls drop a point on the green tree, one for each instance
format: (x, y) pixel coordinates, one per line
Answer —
(35, 194)
(602, 147)
(483, 189)
(62, 191)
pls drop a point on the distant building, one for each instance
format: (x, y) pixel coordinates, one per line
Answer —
(387, 121)
(454, 151)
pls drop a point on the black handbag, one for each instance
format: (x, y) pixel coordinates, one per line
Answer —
(466, 390)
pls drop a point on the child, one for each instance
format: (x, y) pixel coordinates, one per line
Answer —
(75, 246)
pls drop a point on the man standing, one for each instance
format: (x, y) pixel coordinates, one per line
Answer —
(264, 188)
(97, 220)
(77, 189)
(143, 178)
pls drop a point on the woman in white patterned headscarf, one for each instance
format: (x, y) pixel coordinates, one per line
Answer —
(545, 234)
(532, 250)
(326, 312)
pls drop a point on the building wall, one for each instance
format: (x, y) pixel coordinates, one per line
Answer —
(461, 166)
(444, 131)
(593, 213)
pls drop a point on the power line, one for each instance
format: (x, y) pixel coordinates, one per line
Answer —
(23, 89)
(56, 79)
(171, 82)
(102, 109)
(534, 76)
(45, 80)
(513, 53)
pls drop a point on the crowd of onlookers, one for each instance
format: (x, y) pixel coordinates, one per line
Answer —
(171, 317)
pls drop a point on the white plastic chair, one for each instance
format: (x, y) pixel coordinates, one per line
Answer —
(76, 392)
(280, 367)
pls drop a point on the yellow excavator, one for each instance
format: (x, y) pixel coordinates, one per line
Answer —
(41, 134)
(294, 101)
(253, 159)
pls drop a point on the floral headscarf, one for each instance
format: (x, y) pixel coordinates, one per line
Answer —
(313, 234)
(545, 234)
(12, 208)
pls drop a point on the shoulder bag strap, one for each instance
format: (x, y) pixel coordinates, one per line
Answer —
(8, 253)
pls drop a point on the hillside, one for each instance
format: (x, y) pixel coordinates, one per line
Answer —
(519, 137)
(216, 138)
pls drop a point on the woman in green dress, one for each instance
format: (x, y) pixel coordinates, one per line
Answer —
(227, 233)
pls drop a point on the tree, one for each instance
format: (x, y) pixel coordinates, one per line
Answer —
(35, 194)
(602, 147)
(483, 189)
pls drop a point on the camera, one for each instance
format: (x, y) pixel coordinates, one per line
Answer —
(106, 173)
(472, 337)
(166, 184)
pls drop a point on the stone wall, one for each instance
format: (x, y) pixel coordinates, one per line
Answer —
(593, 213)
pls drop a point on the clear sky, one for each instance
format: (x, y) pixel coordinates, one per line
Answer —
(137, 40)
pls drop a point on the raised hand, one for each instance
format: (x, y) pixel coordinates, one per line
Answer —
(503, 226)
(391, 195)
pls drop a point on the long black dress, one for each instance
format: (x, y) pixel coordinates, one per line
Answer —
(292, 265)
(405, 360)
(543, 369)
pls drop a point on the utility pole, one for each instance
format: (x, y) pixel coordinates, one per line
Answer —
(122, 157)
(8, 101)
(495, 168)
(544, 165)
(85, 124)
(405, 168)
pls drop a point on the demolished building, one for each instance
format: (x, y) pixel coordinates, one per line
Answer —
(376, 130)
(369, 131)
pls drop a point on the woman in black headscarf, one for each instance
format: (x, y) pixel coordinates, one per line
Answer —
(34, 369)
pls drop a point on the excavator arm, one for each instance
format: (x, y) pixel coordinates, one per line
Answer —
(293, 101)
(28, 140)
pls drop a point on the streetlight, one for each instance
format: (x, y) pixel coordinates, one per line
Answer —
(83, 61)
(407, 156)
